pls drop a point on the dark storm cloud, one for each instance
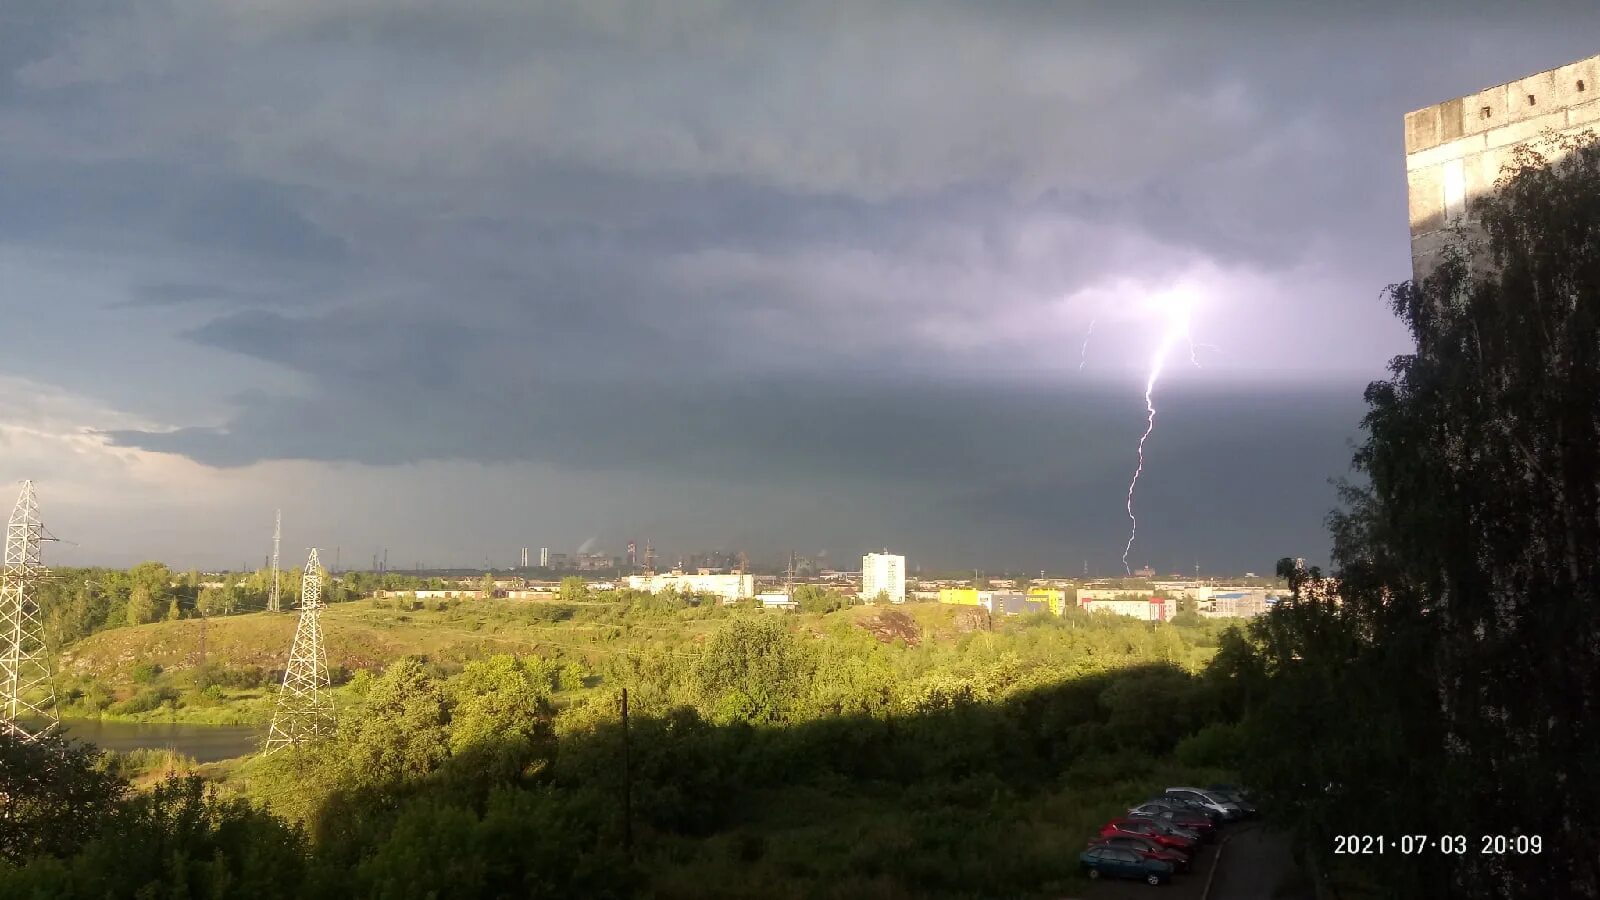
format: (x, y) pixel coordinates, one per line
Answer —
(179, 294)
(806, 245)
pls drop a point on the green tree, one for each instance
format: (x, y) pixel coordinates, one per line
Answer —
(753, 671)
(141, 606)
(486, 586)
(498, 699)
(814, 598)
(1465, 620)
(573, 589)
(56, 796)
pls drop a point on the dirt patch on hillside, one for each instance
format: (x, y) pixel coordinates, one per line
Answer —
(966, 621)
(888, 624)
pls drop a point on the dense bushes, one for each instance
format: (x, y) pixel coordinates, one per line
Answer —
(447, 780)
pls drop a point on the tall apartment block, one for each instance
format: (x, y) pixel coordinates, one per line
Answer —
(1455, 149)
(883, 573)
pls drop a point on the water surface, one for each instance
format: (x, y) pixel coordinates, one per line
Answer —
(206, 743)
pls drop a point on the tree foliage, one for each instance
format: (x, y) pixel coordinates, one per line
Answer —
(1452, 670)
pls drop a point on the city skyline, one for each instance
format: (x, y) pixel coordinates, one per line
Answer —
(471, 277)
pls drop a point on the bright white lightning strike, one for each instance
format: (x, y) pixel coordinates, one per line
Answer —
(1177, 329)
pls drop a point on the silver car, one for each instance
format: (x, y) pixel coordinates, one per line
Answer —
(1228, 810)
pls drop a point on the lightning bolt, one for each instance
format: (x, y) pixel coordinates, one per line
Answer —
(1177, 329)
(1083, 354)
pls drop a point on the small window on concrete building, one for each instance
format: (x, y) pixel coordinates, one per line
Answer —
(1484, 112)
(1530, 100)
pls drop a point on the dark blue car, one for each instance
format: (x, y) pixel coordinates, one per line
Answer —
(1119, 862)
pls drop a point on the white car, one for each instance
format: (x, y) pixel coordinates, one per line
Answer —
(1229, 810)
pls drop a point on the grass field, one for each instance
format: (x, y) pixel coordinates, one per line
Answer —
(169, 671)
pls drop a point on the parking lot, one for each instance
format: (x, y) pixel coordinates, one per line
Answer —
(1247, 863)
(1188, 842)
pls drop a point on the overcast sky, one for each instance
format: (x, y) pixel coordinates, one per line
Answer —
(453, 279)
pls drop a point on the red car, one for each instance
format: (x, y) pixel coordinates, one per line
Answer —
(1147, 828)
(1146, 848)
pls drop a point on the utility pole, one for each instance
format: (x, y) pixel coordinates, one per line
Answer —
(305, 703)
(627, 782)
(26, 688)
(273, 600)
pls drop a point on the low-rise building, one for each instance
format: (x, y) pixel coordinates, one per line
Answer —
(728, 588)
(449, 594)
(1053, 599)
(1009, 603)
(1098, 594)
(778, 600)
(961, 596)
(1151, 609)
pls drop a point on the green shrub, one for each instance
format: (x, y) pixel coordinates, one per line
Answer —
(144, 673)
(146, 700)
(1218, 745)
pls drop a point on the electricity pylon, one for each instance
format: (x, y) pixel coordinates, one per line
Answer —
(26, 689)
(305, 704)
(273, 603)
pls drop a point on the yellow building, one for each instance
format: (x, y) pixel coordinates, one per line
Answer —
(960, 596)
(1054, 599)
(1057, 600)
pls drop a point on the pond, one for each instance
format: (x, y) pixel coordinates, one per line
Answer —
(206, 743)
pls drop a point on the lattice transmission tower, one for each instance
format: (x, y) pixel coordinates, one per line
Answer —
(305, 704)
(26, 688)
(274, 604)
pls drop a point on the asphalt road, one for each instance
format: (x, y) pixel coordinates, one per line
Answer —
(1250, 863)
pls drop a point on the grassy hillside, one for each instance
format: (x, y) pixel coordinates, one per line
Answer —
(365, 635)
(224, 670)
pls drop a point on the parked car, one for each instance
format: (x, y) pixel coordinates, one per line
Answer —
(1147, 848)
(1191, 805)
(1228, 811)
(1235, 796)
(1116, 862)
(1193, 821)
(1173, 803)
(1162, 833)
